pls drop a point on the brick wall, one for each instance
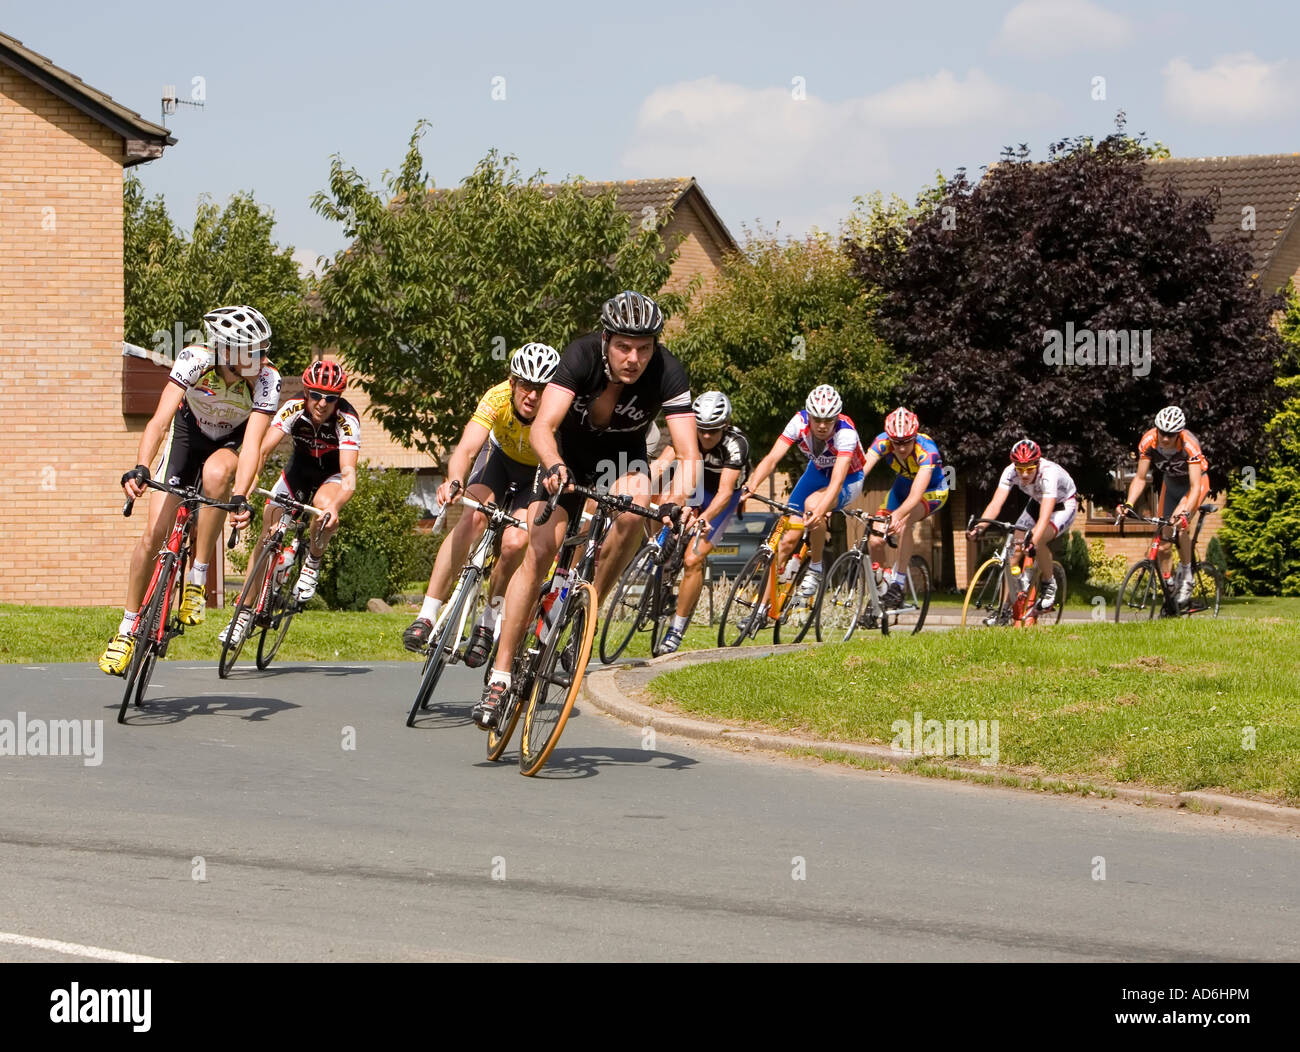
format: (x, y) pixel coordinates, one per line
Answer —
(62, 536)
(697, 251)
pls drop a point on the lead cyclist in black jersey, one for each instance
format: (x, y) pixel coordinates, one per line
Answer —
(590, 429)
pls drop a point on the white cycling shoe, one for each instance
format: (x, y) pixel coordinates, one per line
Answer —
(306, 585)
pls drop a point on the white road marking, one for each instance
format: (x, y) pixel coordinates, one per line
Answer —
(75, 949)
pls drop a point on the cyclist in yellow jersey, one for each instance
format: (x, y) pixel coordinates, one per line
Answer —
(496, 443)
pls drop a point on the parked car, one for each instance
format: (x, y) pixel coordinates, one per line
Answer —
(738, 542)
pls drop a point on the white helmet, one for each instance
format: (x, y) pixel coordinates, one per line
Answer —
(1170, 419)
(824, 402)
(241, 327)
(712, 411)
(535, 363)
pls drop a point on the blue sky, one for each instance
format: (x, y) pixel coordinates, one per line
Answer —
(891, 92)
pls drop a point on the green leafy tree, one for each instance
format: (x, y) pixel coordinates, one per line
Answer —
(1261, 521)
(439, 287)
(782, 318)
(969, 296)
(171, 279)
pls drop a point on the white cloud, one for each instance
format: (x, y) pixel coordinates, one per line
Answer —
(764, 138)
(1237, 87)
(1043, 28)
(945, 101)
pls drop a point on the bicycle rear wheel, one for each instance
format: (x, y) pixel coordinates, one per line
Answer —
(1141, 597)
(744, 612)
(444, 644)
(1054, 615)
(629, 606)
(916, 597)
(842, 598)
(983, 595)
(559, 678)
(245, 609)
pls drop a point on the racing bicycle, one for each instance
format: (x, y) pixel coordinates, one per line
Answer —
(1146, 593)
(1005, 589)
(851, 595)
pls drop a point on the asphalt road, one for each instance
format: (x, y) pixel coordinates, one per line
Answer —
(410, 846)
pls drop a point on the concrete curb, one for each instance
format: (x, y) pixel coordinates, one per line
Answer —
(614, 690)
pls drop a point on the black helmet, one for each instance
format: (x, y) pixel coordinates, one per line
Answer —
(631, 314)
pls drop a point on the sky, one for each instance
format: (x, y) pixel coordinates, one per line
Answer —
(784, 111)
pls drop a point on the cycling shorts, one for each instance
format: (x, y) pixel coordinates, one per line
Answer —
(902, 487)
(814, 479)
(498, 472)
(597, 464)
(1174, 488)
(188, 449)
(720, 523)
(300, 486)
(1062, 515)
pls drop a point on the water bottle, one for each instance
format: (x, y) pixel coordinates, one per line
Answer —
(285, 563)
(791, 568)
(559, 585)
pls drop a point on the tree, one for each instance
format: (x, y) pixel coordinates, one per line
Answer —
(783, 318)
(439, 287)
(1261, 521)
(995, 276)
(171, 281)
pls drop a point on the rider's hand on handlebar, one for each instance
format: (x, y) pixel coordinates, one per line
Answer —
(449, 492)
(239, 519)
(133, 482)
(976, 530)
(555, 477)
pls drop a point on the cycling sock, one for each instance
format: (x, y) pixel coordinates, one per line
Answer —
(492, 613)
(815, 567)
(499, 677)
(312, 562)
(680, 623)
(429, 610)
(198, 574)
(129, 618)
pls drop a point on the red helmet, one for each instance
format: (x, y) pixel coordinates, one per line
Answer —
(325, 376)
(1026, 451)
(902, 424)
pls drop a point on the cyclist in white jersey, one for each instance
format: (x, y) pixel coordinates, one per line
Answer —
(1053, 503)
(214, 412)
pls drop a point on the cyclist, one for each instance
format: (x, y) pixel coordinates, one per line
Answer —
(322, 469)
(832, 479)
(920, 489)
(724, 450)
(214, 412)
(592, 422)
(1052, 505)
(1184, 485)
(495, 443)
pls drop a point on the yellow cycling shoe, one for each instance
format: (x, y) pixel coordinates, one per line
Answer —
(192, 604)
(117, 655)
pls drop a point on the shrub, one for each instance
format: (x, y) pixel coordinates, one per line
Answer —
(361, 574)
(1105, 571)
(1075, 558)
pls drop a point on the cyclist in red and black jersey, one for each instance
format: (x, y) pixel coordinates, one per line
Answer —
(322, 469)
(591, 429)
(1184, 473)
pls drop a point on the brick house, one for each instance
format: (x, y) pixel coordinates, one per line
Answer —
(63, 145)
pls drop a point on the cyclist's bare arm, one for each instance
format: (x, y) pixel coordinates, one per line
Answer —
(274, 436)
(250, 457)
(768, 464)
(1045, 508)
(462, 458)
(1194, 476)
(153, 433)
(920, 485)
(681, 427)
(550, 413)
(838, 474)
(994, 507)
(659, 465)
(727, 481)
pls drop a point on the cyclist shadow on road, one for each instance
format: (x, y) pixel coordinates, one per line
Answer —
(441, 716)
(586, 761)
(298, 670)
(163, 711)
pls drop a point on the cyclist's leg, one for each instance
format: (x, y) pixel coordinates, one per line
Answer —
(877, 544)
(931, 502)
(810, 484)
(697, 554)
(625, 534)
(1164, 504)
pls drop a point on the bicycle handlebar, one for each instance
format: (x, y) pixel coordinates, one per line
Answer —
(785, 509)
(616, 503)
(1004, 527)
(492, 510)
(287, 502)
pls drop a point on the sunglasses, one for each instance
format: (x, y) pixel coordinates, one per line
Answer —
(321, 396)
(531, 388)
(1026, 469)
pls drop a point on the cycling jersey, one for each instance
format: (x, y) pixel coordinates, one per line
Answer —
(215, 406)
(925, 453)
(316, 449)
(664, 385)
(1051, 480)
(1172, 463)
(843, 442)
(731, 452)
(496, 412)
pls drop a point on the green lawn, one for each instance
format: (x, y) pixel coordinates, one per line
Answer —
(1168, 705)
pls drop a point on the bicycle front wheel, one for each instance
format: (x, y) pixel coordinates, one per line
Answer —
(445, 641)
(145, 653)
(799, 612)
(1207, 591)
(745, 613)
(983, 595)
(559, 678)
(1141, 597)
(629, 606)
(916, 597)
(245, 609)
(842, 598)
(283, 607)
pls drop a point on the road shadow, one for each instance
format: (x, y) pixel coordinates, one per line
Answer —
(586, 762)
(251, 671)
(443, 715)
(163, 711)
